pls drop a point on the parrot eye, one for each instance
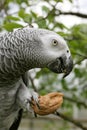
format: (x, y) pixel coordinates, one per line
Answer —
(54, 42)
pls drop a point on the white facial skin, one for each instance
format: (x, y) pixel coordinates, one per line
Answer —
(57, 46)
(57, 53)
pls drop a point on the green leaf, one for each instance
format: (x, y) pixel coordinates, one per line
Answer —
(71, 1)
(21, 1)
(44, 8)
(58, 1)
(59, 25)
(8, 1)
(25, 16)
(51, 16)
(11, 26)
(9, 17)
(42, 23)
(64, 85)
(78, 73)
(34, 15)
(21, 13)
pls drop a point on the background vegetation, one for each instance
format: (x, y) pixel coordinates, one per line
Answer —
(20, 13)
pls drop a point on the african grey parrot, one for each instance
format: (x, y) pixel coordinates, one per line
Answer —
(20, 51)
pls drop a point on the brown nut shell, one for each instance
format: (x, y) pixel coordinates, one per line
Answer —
(48, 103)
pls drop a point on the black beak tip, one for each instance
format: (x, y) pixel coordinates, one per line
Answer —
(65, 75)
(68, 69)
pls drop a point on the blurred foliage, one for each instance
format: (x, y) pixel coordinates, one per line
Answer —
(19, 13)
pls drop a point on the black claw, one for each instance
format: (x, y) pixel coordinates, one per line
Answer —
(35, 114)
(38, 105)
(32, 98)
(30, 102)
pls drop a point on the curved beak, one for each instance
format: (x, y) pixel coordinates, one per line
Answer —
(62, 65)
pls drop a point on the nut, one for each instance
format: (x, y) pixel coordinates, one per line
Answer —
(48, 103)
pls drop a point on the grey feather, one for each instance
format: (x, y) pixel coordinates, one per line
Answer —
(20, 51)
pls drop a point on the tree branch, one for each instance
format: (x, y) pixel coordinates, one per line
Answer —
(73, 13)
(78, 124)
(84, 57)
(32, 82)
(75, 101)
(2, 4)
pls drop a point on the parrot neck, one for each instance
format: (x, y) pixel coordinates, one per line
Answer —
(20, 51)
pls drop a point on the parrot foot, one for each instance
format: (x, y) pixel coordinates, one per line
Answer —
(25, 96)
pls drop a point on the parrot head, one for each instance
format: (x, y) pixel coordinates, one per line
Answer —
(57, 53)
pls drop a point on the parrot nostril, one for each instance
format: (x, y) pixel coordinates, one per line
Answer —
(67, 51)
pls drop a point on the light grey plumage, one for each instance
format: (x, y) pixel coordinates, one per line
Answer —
(21, 51)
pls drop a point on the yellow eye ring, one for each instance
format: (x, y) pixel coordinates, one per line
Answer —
(54, 42)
